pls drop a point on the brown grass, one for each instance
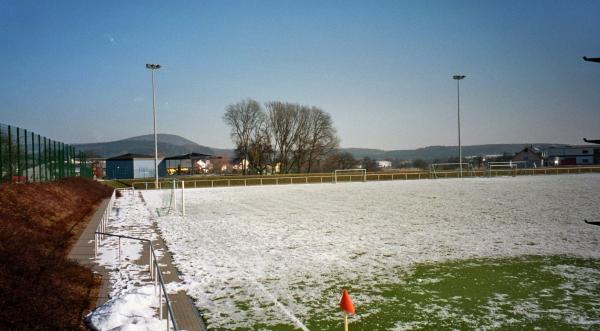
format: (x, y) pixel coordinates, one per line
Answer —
(40, 289)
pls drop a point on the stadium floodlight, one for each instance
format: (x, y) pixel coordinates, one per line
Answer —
(153, 67)
(458, 78)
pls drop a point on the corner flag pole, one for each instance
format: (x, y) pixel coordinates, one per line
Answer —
(347, 306)
(345, 321)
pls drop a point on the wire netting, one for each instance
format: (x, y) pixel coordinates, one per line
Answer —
(26, 156)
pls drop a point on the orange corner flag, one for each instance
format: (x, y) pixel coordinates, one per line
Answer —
(346, 303)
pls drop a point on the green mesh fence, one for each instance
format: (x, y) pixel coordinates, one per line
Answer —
(28, 157)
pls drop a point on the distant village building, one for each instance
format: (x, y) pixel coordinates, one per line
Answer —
(383, 164)
(128, 166)
(187, 164)
(573, 155)
(559, 155)
(532, 156)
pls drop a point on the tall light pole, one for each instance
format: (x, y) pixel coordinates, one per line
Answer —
(458, 78)
(153, 67)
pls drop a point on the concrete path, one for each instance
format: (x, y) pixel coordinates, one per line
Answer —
(83, 252)
(186, 315)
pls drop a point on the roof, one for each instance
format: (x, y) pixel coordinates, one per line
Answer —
(130, 156)
(189, 156)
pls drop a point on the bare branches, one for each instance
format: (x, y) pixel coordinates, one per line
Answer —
(287, 136)
(242, 117)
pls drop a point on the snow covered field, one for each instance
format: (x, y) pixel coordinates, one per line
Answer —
(276, 255)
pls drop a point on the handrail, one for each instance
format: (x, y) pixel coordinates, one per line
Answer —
(155, 273)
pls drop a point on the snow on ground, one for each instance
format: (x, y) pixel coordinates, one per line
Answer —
(133, 303)
(271, 254)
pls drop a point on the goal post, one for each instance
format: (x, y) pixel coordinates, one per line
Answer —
(349, 175)
(170, 202)
(437, 170)
(505, 168)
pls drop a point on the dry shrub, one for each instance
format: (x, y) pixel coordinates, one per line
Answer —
(40, 289)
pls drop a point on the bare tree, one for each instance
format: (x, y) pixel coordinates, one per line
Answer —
(339, 160)
(290, 135)
(282, 121)
(322, 137)
(242, 117)
(260, 152)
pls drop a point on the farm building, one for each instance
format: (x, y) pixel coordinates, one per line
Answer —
(384, 164)
(128, 166)
(573, 155)
(533, 156)
(187, 164)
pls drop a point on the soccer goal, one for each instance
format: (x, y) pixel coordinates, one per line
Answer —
(509, 168)
(170, 202)
(458, 169)
(349, 175)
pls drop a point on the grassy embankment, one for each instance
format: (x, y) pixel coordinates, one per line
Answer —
(40, 289)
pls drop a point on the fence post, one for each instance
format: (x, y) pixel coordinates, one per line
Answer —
(18, 155)
(55, 166)
(119, 252)
(10, 170)
(1, 160)
(33, 156)
(160, 305)
(50, 160)
(62, 161)
(183, 198)
(26, 163)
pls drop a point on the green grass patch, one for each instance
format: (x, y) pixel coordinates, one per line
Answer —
(522, 293)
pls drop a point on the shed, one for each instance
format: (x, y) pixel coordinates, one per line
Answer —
(132, 166)
(186, 164)
(532, 155)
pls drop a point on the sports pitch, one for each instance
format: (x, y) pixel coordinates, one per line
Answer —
(432, 254)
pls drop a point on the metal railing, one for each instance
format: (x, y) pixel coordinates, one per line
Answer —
(154, 268)
(371, 176)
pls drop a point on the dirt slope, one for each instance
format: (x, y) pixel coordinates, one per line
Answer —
(39, 288)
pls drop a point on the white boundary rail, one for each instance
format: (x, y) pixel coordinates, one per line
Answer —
(505, 168)
(371, 176)
(154, 269)
(363, 174)
(460, 165)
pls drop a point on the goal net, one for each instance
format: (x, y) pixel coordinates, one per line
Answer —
(173, 198)
(457, 169)
(505, 168)
(349, 175)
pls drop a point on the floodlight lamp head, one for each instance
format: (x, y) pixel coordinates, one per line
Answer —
(458, 77)
(152, 66)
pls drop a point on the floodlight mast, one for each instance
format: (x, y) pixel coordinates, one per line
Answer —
(153, 67)
(458, 78)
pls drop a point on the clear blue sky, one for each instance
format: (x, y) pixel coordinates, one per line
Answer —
(75, 70)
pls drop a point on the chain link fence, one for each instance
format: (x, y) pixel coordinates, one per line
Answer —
(28, 157)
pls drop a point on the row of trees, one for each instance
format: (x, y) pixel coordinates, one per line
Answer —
(293, 137)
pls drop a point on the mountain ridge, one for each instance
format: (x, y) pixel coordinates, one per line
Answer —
(170, 144)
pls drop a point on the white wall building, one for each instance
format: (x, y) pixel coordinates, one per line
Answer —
(383, 164)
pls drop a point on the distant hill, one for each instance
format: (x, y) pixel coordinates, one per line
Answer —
(168, 145)
(440, 152)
